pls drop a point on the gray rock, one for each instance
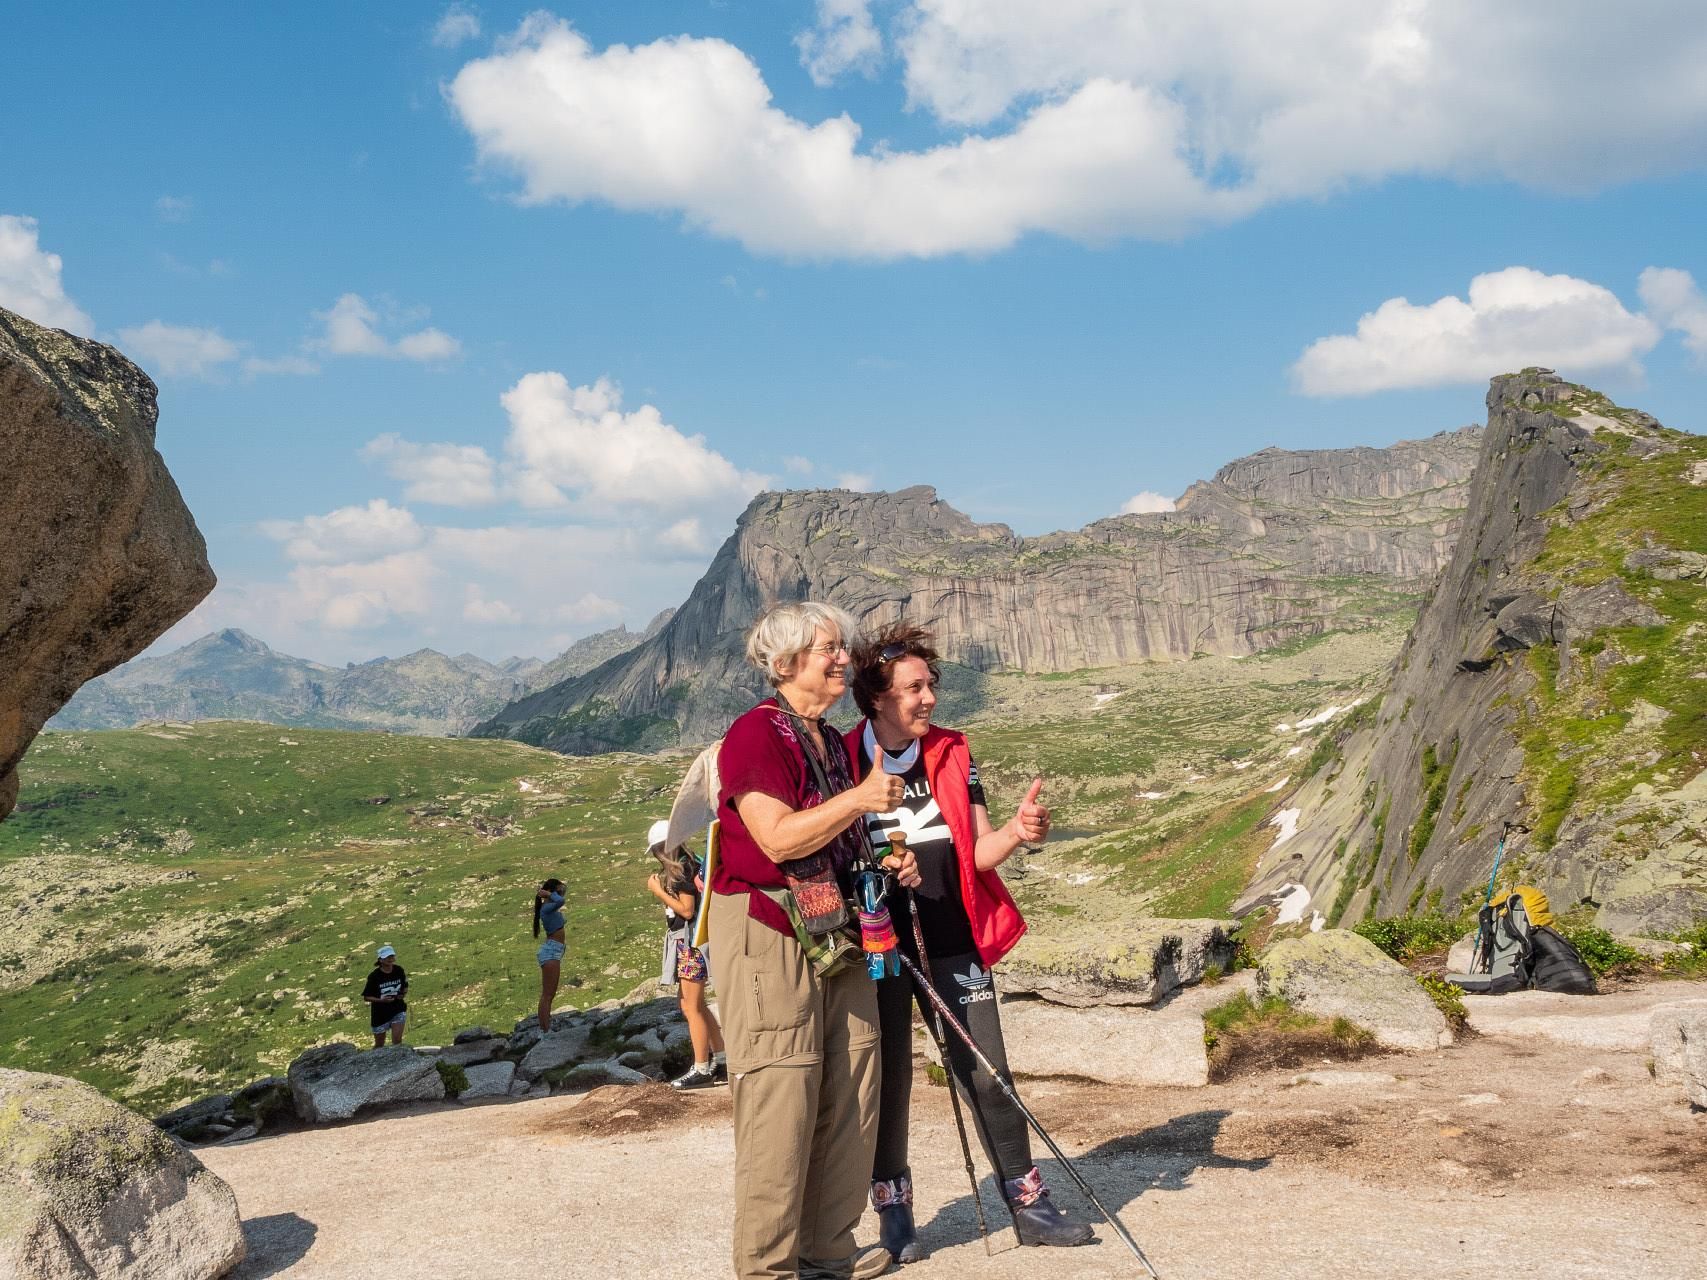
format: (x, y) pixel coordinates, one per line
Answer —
(192, 1121)
(655, 1013)
(589, 1074)
(1678, 1036)
(469, 1034)
(521, 1087)
(242, 1134)
(1142, 964)
(465, 1053)
(1461, 953)
(1338, 974)
(98, 555)
(335, 1081)
(558, 1049)
(1114, 1045)
(523, 1039)
(91, 1191)
(488, 1080)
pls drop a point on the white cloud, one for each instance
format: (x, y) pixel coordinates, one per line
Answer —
(349, 533)
(796, 465)
(683, 535)
(1146, 501)
(298, 366)
(576, 441)
(858, 481)
(1675, 301)
(687, 124)
(452, 475)
(30, 279)
(350, 331)
(459, 24)
(590, 607)
(362, 596)
(1104, 118)
(845, 39)
(1512, 319)
(477, 608)
(178, 351)
(174, 208)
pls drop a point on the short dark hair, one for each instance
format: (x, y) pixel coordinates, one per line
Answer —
(872, 672)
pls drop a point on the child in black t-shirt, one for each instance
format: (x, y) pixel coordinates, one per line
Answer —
(384, 992)
(679, 886)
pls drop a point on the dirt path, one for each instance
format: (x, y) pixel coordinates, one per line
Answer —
(1578, 1166)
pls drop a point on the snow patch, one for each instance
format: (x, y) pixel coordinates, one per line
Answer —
(1152, 795)
(1317, 920)
(1242, 764)
(1278, 785)
(1295, 751)
(1286, 821)
(522, 784)
(1292, 899)
(1102, 699)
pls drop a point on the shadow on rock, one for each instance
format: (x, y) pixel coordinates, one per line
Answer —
(276, 1242)
(1120, 1170)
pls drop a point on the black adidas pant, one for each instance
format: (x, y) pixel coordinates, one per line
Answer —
(1001, 1128)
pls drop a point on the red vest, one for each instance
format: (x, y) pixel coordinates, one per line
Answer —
(996, 922)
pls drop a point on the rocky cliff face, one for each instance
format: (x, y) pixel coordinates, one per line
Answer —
(1556, 680)
(98, 555)
(1278, 546)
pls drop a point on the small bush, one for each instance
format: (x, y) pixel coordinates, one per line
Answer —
(455, 1078)
(1244, 1035)
(1403, 937)
(1600, 951)
(1447, 998)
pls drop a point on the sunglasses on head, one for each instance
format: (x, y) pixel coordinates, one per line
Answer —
(890, 652)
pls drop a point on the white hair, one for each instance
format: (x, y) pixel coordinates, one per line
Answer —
(786, 631)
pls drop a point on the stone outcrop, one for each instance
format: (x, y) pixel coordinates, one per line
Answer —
(1338, 974)
(335, 1081)
(98, 555)
(1678, 1036)
(1546, 684)
(1276, 547)
(1142, 963)
(1111, 1045)
(90, 1190)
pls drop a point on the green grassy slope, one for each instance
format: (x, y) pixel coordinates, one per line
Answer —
(197, 905)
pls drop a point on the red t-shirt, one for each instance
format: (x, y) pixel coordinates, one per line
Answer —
(762, 752)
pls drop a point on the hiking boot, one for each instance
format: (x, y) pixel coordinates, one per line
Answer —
(694, 1078)
(1036, 1219)
(867, 1264)
(893, 1200)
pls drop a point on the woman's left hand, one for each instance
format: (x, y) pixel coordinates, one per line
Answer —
(905, 865)
(1031, 823)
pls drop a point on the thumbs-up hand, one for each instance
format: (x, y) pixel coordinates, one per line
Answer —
(1031, 823)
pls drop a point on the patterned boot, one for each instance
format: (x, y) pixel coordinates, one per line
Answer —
(1036, 1219)
(893, 1201)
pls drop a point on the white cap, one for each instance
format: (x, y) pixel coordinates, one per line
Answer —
(386, 951)
(658, 832)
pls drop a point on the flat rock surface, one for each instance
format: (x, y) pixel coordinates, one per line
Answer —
(1618, 1020)
(1248, 1178)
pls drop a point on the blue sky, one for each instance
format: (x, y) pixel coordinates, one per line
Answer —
(476, 326)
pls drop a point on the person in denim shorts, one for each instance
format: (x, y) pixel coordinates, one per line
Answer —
(548, 916)
(679, 885)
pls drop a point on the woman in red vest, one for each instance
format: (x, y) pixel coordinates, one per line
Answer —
(968, 920)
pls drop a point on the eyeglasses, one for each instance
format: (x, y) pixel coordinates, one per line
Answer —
(828, 649)
(890, 652)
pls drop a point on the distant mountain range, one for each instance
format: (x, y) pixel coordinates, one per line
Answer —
(1278, 547)
(230, 675)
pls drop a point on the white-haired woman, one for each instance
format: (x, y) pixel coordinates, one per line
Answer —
(802, 1047)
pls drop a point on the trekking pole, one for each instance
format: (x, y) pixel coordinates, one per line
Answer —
(898, 842)
(946, 1015)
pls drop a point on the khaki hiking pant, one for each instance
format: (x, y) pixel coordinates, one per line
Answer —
(803, 1065)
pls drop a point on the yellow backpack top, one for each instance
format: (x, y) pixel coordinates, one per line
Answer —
(1535, 904)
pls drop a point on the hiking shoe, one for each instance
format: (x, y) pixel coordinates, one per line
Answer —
(1040, 1222)
(896, 1233)
(720, 1073)
(867, 1264)
(694, 1078)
